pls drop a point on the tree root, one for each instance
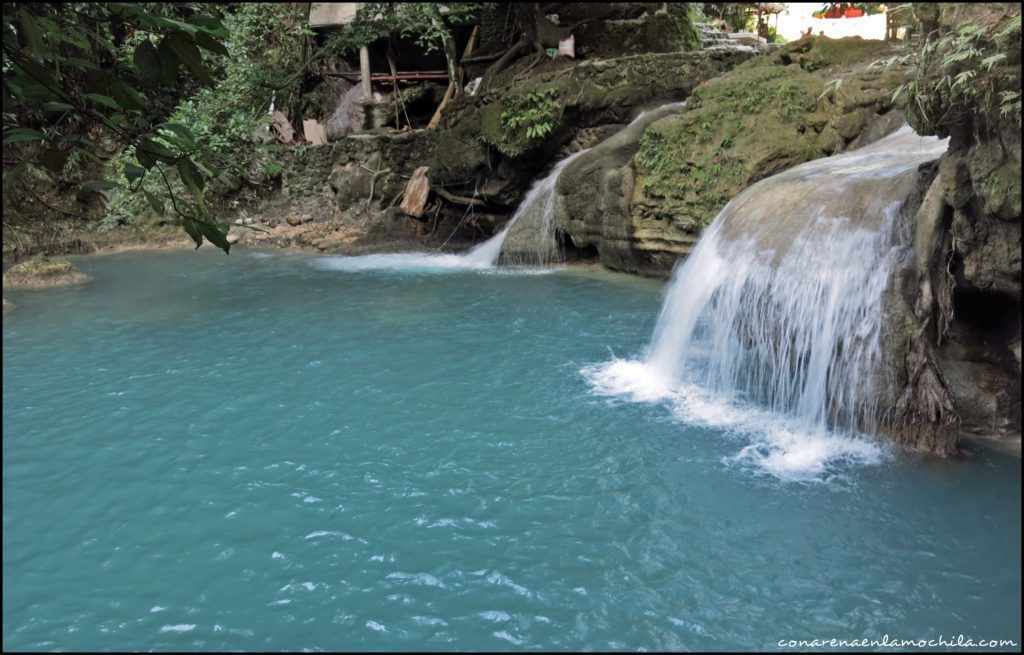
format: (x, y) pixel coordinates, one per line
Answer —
(460, 200)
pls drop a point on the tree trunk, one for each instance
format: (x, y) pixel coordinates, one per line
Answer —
(528, 18)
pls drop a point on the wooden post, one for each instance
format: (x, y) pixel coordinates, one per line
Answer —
(455, 83)
(364, 69)
(435, 120)
(468, 51)
(398, 94)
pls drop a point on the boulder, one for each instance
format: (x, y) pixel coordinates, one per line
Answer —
(42, 272)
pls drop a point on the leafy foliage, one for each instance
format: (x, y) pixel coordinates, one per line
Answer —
(534, 113)
(527, 119)
(962, 75)
(84, 76)
(268, 51)
(427, 23)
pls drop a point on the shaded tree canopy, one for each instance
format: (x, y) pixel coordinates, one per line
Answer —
(79, 74)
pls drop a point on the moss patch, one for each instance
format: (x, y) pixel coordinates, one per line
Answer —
(43, 272)
(764, 116)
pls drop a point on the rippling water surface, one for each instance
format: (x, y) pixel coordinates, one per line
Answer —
(264, 452)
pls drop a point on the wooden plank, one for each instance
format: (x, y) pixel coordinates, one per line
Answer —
(316, 133)
(398, 95)
(435, 120)
(453, 85)
(416, 192)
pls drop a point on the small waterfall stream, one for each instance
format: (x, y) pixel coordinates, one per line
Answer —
(531, 227)
(536, 208)
(773, 324)
(532, 224)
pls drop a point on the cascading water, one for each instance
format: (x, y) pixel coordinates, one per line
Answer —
(537, 209)
(529, 237)
(532, 225)
(773, 324)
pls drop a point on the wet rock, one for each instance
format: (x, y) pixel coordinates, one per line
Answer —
(646, 210)
(42, 272)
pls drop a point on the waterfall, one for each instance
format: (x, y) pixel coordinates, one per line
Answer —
(773, 324)
(531, 226)
(538, 210)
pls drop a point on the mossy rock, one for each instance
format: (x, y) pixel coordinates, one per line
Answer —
(42, 272)
(766, 115)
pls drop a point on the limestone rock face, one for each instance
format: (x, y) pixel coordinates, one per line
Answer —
(593, 211)
(643, 201)
(970, 262)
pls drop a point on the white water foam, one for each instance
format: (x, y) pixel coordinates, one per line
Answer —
(423, 262)
(772, 326)
(777, 444)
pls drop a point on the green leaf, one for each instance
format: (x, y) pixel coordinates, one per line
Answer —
(124, 9)
(75, 37)
(208, 168)
(156, 203)
(57, 106)
(126, 96)
(211, 25)
(147, 64)
(19, 134)
(217, 234)
(156, 150)
(164, 21)
(207, 42)
(101, 99)
(145, 159)
(190, 175)
(189, 55)
(32, 36)
(192, 228)
(133, 172)
(36, 73)
(12, 176)
(168, 62)
(183, 132)
(98, 185)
